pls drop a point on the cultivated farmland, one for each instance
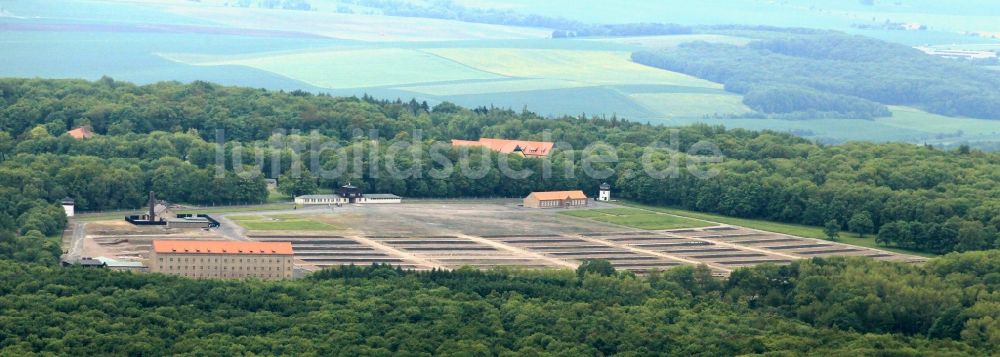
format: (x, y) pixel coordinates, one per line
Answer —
(356, 68)
(691, 105)
(591, 67)
(442, 60)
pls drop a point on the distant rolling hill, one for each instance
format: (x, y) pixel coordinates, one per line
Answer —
(472, 64)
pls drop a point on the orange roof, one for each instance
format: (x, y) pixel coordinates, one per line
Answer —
(80, 133)
(221, 247)
(559, 195)
(528, 148)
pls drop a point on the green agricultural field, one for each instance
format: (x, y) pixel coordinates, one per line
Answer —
(691, 105)
(281, 222)
(590, 67)
(637, 218)
(596, 100)
(353, 68)
(906, 124)
(915, 119)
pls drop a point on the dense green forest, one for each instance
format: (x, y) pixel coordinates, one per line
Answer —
(819, 307)
(835, 75)
(161, 137)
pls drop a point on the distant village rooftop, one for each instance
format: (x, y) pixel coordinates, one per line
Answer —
(522, 147)
(81, 133)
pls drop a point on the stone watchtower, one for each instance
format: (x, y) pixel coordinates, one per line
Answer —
(605, 193)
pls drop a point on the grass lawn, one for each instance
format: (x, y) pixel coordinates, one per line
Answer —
(785, 228)
(273, 196)
(281, 222)
(637, 218)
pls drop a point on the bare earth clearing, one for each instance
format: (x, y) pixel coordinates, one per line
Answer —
(488, 234)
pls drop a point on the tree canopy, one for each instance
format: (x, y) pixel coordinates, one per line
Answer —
(818, 307)
(836, 75)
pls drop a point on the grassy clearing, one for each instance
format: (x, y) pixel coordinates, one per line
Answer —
(691, 105)
(591, 67)
(281, 222)
(246, 218)
(353, 68)
(915, 119)
(636, 218)
(273, 196)
(907, 124)
(785, 228)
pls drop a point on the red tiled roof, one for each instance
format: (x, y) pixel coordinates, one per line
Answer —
(559, 195)
(80, 133)
(528, 148)
(221, 247)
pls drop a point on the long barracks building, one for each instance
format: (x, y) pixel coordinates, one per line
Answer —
(222, 259)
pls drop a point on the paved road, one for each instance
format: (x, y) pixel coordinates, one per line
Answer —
(76, 241)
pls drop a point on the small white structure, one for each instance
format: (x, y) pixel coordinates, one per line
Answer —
(373, 198)
(381, 198)
(605, 193)
(121, 265)
(320, 200)
(69, 206)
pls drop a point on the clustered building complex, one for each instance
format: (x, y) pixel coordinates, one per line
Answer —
(222, 259)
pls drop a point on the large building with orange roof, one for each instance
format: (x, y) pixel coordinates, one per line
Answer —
(82, 132)
(222, 259)
(556, 199)
(517, 147)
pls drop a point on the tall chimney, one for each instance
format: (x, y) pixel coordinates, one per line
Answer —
(152, 206)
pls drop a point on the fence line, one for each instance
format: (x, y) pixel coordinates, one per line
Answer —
(125, 212)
